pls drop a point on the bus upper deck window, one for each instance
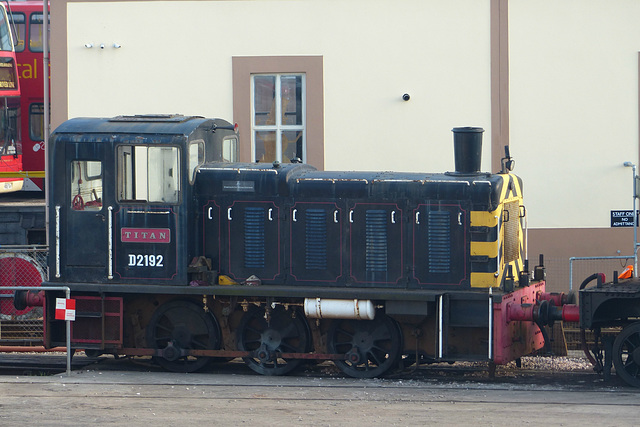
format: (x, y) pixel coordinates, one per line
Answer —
(6, 43)
(19, 30)
(35, 32)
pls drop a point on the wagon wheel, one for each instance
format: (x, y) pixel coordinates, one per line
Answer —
(372, 347)
(182, 325)
(93, 353)
(281, 331)
(626, 354)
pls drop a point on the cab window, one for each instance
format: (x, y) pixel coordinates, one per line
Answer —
(86, 185)
(230, 149)
(148, 174)
(196, 158)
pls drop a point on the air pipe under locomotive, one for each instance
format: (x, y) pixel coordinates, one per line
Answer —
(173, 249)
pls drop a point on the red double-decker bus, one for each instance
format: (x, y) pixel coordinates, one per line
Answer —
(10, 143)
(26, 19)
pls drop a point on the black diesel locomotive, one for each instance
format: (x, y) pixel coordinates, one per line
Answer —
(173, 249)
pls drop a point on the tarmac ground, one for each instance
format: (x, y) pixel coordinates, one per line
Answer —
(136, 392)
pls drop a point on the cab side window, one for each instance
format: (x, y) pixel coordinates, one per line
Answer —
(148, 174)
(230, 149)
(196, 158)
(86, 185)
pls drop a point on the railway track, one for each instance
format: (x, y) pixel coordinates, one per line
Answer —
(134, 392)
(40, 364)
(533, 370)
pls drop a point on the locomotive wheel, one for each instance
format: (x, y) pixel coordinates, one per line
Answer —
(179, 325)
(372, 347)
(626, 354)
(286, 331)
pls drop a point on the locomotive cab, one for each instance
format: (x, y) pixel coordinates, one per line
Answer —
(136, 230)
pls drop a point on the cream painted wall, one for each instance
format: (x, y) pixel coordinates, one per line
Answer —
(574, 107)
(176, 58)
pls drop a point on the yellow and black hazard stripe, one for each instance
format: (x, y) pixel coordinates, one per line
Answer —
(497, 238)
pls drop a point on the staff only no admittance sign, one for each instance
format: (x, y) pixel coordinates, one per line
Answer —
(622, 218)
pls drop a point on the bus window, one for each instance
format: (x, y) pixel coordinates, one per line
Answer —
(19, 28)
(5, 35)
(35, 33)
(10, 143)
(148, 174)
(86, 185)
(36, 122)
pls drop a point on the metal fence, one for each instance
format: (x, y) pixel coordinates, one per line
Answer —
(582, 267)
(21, 266)
(565, 275)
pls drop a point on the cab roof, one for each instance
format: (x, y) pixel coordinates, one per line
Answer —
(174, 124)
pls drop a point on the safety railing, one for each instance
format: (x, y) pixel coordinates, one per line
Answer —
(67, 292)
(21, 266)
(25, 268)
(590, 265)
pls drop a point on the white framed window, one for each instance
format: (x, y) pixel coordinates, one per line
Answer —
(196, 158)
(148, 174)
(278, 125)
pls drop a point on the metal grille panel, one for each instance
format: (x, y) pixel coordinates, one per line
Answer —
(376, 238)
(254, 248)
(511, 231)
(316, 239)
(439, 238)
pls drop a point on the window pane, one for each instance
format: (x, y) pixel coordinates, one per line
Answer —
(196, 157)
(36, 122)
(163, 174)
(265, 147)
(19, 29)
(141, 173)
(291, 90)
(35, 33)
(10, 128)
(229, 149)
(264, 94)
(291, 145)
(86, 185)
(148, 174)
(5, 39)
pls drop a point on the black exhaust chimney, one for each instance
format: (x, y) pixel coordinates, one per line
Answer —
(467, 149)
